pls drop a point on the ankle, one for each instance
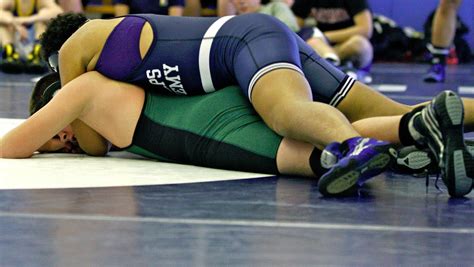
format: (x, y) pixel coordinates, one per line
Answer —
(407, 134)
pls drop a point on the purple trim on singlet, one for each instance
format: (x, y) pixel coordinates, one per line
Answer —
(121, 52)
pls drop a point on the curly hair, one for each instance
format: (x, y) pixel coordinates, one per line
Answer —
(58, 31)
(43, 91)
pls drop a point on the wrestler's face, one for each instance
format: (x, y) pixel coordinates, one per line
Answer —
(65, 141)
(246, 6)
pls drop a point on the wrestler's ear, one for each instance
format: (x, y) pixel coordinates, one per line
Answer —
(43, 91)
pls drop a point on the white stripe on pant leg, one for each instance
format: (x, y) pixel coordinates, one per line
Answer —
(267, 69)
(343, 92)
(205, 52)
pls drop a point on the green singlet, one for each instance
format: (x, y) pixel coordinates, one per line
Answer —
(218, 130)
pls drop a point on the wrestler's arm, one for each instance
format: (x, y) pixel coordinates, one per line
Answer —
(37, 131)
(362, 26)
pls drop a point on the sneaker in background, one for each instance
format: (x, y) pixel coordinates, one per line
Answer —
(436, 74)
(34, 64)
(11, 62)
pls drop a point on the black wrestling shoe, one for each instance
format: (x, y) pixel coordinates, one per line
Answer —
(412, 160)
(440, 126)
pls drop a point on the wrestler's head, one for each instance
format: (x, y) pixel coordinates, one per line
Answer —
(58, 31)
(43, 92)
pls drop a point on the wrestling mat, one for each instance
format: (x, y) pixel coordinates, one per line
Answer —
(118, 169)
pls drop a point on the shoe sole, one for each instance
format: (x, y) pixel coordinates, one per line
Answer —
(344, 180)
(454, 159)
(433, 80)
(415, 161)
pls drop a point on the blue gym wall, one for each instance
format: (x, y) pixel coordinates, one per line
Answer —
(414, 13)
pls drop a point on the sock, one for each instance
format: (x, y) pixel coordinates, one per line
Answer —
(439, 54)
(315, 162)
(406, 131)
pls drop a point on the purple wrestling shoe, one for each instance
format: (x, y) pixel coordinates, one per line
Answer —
(352, 163)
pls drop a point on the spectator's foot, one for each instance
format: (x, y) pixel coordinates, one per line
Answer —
(436, 74)
(11, 62)
(361, 75)
(362, 159)
(35, 66)
(34, 63)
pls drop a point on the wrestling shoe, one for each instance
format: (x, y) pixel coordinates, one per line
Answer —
(412, 160)
(359, 160)
(439, 125)
(11, 62)
(436, 74)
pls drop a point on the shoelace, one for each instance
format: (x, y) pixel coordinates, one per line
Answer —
(427, 181)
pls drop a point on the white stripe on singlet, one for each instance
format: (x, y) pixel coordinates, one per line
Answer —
(267, 69)
(205, 52)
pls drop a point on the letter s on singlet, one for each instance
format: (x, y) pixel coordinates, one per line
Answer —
(153, 75)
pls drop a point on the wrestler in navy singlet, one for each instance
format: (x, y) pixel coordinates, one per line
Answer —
(192, 56)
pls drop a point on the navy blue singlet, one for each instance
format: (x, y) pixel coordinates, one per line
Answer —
(192, 56)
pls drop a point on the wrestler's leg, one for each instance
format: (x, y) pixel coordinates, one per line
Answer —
(283, 99)
(364, 102)
(468, 113)
(382, 128)
(437, 127)
(354, 99)
(370, 127)
(293, 157)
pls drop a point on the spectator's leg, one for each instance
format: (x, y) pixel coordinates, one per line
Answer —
(443, 30)
(357, 49)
